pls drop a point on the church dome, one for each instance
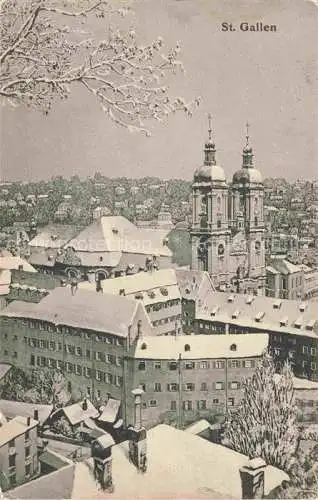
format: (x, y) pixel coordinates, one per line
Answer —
(247, 175)
(209, 173)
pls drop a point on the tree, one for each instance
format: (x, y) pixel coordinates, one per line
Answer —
(51, 386)
(264, 424)
(16, 383)
(46, 51)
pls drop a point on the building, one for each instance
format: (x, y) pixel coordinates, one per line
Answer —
(5, 280)
(108, 246)
(14, 262)
(164, 219)
(18, 451)
(157, 290)
(181, 465)
(292, 325)
(310, 281)
(193, 377)
(84, 334)
(47, 244)
(227, 233)
(194, 286)
(284, 280)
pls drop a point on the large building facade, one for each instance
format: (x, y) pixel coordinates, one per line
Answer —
(227, 233)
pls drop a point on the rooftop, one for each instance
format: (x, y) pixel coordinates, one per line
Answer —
(12, 409)
(154, 281)
(244, 310)
(11, 262)
(189, 282)
(76, 413)
(54, 235)
(84, 309)
(201, 346)
(118, 234)
(193, 468)
(14, 428)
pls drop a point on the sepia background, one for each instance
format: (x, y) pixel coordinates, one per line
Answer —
(269, 79)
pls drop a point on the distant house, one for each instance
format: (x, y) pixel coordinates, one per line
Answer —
(284, 280)
(77, 414)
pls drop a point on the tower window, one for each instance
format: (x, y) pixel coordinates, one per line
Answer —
(221, 250)
(256, 221)
(219, 224)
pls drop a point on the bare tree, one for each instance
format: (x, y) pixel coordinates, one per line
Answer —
(45, 51)
(264, 424)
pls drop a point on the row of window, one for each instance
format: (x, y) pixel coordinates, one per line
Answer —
(191, 365)
(42, 325)
(74, 350)
(80, 370)
(213, 327)
(190, 386)
(188, 405)
(164, 321)
(162, 305)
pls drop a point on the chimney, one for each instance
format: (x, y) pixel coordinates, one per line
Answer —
(252, 478)
(101, 451)
(36, 415)
(28, 421)
(138, 435)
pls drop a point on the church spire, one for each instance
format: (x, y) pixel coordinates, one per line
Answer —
(209, 148)
(247, 150)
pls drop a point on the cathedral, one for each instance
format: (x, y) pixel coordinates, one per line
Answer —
(227, 231)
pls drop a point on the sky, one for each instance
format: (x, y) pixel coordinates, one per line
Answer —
(268, 79)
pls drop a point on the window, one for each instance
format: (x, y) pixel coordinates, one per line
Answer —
(204, 386)
(59, 346)
(157, 364)
(99, 356)
(235, 363)
(187, 405)
(42, 344)
(142, 365)
(313, 351)
(219, 364)
(59, 364)
(204, 365)
(78, 351)
(99, 375)
(231, 401)
(219, 386)
(305, 349)
(69, 367)
(108, 340)
(143, 386)
(32, 360)
(11, 460)
(28, 470)
(215, 401)
(12, 480)
(172, 387)
(108, 378)
(52, 346)
(98, 394)
(173, 406)
(313, 366)
(201, 405)
(27, 435)
(189, 365)
(87, 372)
(78, 369)
(153, 402)
(27, 451)
(157, 387)
(189, 386)
(173, 365)
(119, 381)
(88, 353)
(248, 363)
(88, 391)
(234, 385)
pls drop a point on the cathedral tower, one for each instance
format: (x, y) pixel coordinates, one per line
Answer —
(210, 233)
(246, 214)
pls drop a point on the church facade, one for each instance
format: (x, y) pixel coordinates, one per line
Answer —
(227, 231)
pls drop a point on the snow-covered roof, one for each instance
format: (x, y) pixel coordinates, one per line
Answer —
(201, 346)
(198, 427)
(11, 262)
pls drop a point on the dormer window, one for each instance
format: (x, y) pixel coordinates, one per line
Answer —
(259, 316)
(298, 323)
(233, 347)
(277, 304)
(250, 300)
(115, 230)
(303, 307)
(187, 347)
(284, 321)
(235, 315)
(144, 346)
(230, 298)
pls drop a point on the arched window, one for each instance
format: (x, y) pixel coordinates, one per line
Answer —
(256, 221)
(143, 346)
(187, 347)
(233, 347)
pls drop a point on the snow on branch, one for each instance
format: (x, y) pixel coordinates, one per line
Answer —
(42, 58)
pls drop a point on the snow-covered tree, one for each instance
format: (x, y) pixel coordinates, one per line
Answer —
(264, 424)
(47, 47)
